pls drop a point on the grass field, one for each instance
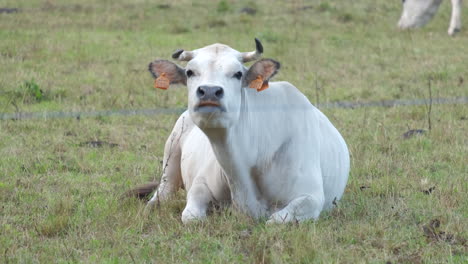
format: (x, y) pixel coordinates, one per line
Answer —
(60, 193)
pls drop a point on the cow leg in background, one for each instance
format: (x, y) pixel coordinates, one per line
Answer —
(455, 21)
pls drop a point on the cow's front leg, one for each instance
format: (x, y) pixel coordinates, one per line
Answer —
(301, 208)
(199, 198)
(455, 20)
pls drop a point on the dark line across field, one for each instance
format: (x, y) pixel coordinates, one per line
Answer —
(169, 111)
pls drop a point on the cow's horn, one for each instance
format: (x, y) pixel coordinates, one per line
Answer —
(182, 55)
(253, 55)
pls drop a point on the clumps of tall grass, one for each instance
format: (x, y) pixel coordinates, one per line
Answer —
(57, 219)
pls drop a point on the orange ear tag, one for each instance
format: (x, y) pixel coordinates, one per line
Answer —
(258, 84)
(162, 82)
(264, 86)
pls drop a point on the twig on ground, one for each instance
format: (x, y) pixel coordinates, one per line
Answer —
(429, 108)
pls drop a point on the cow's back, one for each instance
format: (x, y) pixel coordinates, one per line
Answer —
(334, 161)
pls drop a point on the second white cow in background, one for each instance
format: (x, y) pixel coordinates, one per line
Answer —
(268, 150)
(417, 13)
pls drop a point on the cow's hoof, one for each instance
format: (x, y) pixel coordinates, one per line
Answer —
(189, 216)
(280, 217)
(453, 31)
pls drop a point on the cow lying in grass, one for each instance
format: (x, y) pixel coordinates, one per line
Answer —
(260, 144)
(417, 13)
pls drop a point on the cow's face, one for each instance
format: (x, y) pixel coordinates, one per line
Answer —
(416, 13)
(215, 77)
(214, 82)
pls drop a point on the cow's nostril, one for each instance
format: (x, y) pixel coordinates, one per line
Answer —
(200, 92)
(219, 93)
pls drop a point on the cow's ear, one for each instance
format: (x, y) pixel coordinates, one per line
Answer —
(260, 73)
(166, 72)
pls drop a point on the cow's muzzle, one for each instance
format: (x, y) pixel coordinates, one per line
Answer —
(210, 93)
(209, 99)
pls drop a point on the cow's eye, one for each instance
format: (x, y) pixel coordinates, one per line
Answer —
(189, 73)
(238, 75)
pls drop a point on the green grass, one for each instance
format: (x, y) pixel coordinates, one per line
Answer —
(60, 197)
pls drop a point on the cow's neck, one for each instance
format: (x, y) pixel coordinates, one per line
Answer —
(226, 149)
(229, 144)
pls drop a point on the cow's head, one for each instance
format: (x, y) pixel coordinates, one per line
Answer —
(416, 13)
(215, 77)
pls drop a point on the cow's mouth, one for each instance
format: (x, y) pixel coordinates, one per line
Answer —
(209, 103)
(209, 106)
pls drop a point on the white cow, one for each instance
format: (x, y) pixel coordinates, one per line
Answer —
(268, 150)
(417, 13)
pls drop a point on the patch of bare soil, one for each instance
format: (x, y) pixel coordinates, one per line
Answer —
(98, 144)
(6, 10)
(433, 234)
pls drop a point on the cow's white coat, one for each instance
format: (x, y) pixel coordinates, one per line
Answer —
(272, 152)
